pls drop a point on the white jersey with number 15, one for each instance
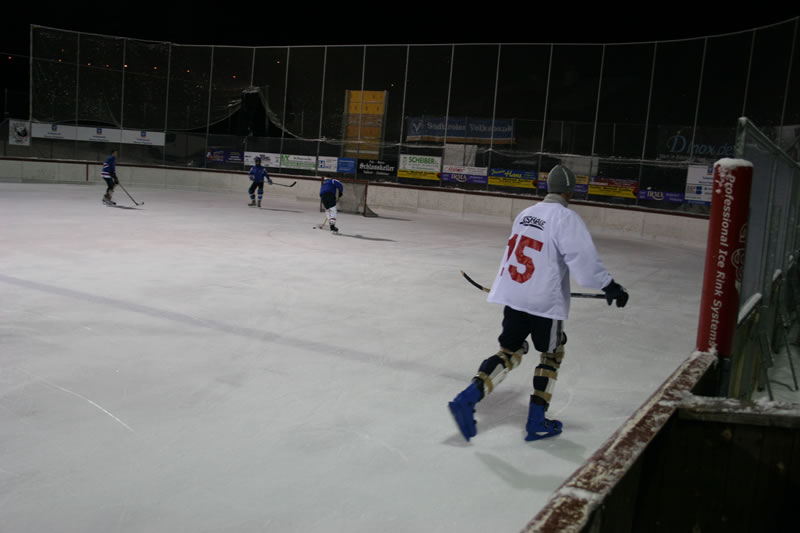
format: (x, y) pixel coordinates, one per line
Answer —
(548, 243)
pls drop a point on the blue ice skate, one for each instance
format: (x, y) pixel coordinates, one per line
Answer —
(463, 408)
(538, 426)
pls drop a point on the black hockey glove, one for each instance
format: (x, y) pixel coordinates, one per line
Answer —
(116, 180)
(615, 291)
(340, 195)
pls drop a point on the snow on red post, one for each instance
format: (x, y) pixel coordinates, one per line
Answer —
(719, 304)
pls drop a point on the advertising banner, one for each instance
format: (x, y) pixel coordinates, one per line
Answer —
(699, 183)
(146, 138)
(267, 160)
(234, 156)
(219, 155)
(581, 184)
(613, 187)
(459, 174)
(327, 164)
(660, 196)
(96, 134)
(19, 133)
(504, 177)
(102, 135)
(421, 167)
(301, 162)
(345, 165)
(727, 231)
(54, 131)
(460, 130)
(215, 156)
(706, 143)
(376, 167)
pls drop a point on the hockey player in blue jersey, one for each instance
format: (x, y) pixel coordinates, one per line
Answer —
(109, 174)
(258, 175)
(328, 195)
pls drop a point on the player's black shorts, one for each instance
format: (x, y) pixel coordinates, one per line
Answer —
(328, 199)
(545, 333)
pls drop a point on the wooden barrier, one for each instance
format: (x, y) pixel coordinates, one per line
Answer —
(686, 462)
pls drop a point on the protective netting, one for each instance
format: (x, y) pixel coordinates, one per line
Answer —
(636, 134)
(126, 83)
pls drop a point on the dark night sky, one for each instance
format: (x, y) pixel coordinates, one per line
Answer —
(379, 23)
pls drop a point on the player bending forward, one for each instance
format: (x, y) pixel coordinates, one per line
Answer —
(328, 195)
(548, 242)
(109, 174)
(257, 175)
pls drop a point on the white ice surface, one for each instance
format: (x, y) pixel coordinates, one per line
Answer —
(198, 365)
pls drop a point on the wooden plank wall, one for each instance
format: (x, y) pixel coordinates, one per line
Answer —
(687, 461)
(718, 465)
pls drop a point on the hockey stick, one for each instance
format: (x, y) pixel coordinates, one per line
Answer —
(476, 284)
(323, 223)
(574, 294)
(284, 185)
(129, 195)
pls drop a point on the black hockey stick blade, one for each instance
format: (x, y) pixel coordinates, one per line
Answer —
(284, 185)
(574, 294)
(476, 284)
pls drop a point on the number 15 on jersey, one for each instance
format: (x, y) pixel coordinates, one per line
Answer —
(517, 245)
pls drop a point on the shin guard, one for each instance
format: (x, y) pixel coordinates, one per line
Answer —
(546, 375)
(494, 369)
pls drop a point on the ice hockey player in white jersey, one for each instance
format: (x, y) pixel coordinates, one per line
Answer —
(548, 243)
